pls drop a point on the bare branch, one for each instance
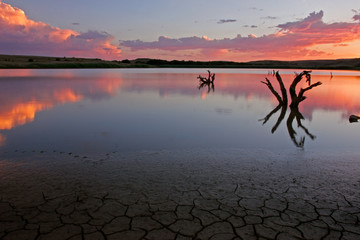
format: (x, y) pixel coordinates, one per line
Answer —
(282, 88)
(297, 98)
(301, 96)
(270, 86)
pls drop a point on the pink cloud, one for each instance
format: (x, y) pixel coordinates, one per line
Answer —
(20, 35)
(292, 40)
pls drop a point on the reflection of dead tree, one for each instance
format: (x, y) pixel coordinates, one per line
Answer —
(210, 86)
(281, 116)
(295, 113)
(283, 101)
(294, 106)
(209, 81)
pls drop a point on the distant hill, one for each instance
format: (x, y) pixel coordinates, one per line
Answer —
(16, 61)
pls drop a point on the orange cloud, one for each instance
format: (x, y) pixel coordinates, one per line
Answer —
(293, 40)
(20, 35)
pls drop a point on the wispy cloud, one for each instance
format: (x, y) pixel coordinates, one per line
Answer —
(248, 26)
(256, 9)
(294, 39)
(270, 17)
(20, 35)
(221, 21)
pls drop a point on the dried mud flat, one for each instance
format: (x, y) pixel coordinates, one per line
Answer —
(230, 194)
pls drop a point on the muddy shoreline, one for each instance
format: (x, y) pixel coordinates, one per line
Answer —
(233, 194)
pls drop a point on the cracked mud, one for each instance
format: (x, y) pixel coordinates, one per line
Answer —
(235, 194)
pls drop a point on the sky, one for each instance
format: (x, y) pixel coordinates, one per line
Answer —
(203, 30)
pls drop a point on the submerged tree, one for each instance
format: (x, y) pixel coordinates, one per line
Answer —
(209, 81)
(296, 99)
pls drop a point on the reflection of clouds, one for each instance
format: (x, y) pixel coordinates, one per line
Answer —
(337, 94)
(21, 113)
(67, 95)
(203, 94)
(26, 93)
(23, 93)
(2, 140)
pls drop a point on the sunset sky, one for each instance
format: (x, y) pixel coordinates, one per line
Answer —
(236, 30)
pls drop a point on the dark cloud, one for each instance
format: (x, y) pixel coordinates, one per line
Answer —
(356, 17)
(250, 26)
(221, 21)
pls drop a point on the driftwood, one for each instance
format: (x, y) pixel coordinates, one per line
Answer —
(209, 81)
(354, 118)
(294, 106)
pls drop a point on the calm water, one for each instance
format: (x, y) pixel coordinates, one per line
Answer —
(97, 111)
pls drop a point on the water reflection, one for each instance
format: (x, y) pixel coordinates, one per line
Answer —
(161, 108)
(295, 114)
(2, 140)
(22, 97)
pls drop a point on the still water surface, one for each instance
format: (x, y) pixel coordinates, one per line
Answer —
(97, 111)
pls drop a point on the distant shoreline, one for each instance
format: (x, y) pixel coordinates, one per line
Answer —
(39, 62)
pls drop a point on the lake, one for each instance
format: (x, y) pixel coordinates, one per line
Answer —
(91, 111)
(146, 153)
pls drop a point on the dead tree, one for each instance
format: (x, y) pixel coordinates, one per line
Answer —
(294, 106)
(296, 99)
(209, 81)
